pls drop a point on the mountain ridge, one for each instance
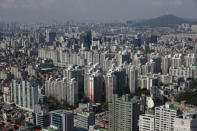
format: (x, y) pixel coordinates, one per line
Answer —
(164, 21)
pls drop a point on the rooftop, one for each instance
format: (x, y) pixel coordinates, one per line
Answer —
(84, 113)
(61, 112)
(50, 129)
(128, 100)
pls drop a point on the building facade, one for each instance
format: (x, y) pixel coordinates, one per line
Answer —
(147, 122)
(164, 117)
(186, 122)
(123, 114)
(24, 94)
(85, 119)
(110, 85)
(63, 89)
(62, 119)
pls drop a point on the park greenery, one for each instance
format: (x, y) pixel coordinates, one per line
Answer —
(141, 92)
(54, 104)
(190, 97)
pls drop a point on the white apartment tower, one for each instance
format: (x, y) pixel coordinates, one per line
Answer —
(191, 59)
(133, 79)
(110, 85)
(177, 60)
(24, 94)
(63, 89)
(165, 64)
(164, 117)
(147, 122)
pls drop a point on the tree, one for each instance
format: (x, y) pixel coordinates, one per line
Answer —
(53, 103)
(85, 100)
(140, 92)
(189, 96)
(105, 106)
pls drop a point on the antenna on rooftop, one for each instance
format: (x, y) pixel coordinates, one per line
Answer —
(167, 12)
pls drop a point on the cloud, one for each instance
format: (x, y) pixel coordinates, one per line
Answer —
(178, 3)
(82, 5)
(29, 4)
(6, 4)
(156, 3)
(49, 3)
(28, 10)
(167, 3)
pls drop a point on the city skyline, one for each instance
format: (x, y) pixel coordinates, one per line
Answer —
(98, 65)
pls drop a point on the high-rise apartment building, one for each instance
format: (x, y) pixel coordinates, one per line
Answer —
(165, 117)
(148, 81)
(123, 114)
(77, 73)
(110, 85)
(122, 82)
(24, 94)
(177, 60)
(72, 93)
(94, 87)
(6, 95)
(166, 62)
(122, 57)
(50, 36)
(156, 63)
(147, 122)
(133, 79)
(183, 71)
(191, 59)
(86, 39)
(63, 89)
(139, 58)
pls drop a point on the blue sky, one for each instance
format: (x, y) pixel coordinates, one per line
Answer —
(102, 10)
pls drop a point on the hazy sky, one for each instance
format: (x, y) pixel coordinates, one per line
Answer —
(52, 10)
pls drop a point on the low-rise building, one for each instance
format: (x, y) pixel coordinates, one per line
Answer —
(85, 119)
(186, 122)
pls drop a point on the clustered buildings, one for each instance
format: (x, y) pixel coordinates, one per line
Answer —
(136, 73)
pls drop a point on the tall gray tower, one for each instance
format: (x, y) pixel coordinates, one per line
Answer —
(123, 114)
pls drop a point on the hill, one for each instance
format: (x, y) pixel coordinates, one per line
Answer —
(164, 21)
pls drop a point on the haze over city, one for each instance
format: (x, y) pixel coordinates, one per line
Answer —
(98, 65)
(101, 10)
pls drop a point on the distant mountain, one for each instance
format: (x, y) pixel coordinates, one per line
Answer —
(166, 20)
